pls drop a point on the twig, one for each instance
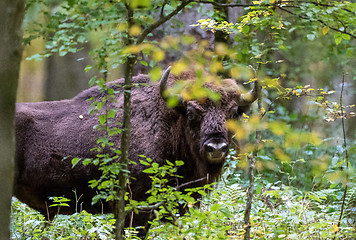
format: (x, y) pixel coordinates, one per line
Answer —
(252, 161)
(247, 223)
(146, 208)
(191, 182)
(346, 153)
(47, 211)
(161, 15)
(284, 3)
(130, 195)
(319, 20)
(170, 214)
(161, 20)
(227, 4)
(282, 6)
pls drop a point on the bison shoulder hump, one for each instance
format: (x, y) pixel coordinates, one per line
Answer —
(116, 85)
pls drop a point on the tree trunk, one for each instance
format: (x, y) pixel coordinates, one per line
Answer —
(65, 76)
(120, 213)
(11, 16)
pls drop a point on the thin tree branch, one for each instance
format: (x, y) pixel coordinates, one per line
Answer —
(284, 3)
(161, 20)
(146, 208)
(252, 167)
(191, 182)
(282, 6)
(319, 20)
(170, 214)
(161, 15)
(346, 152)
(227, 4)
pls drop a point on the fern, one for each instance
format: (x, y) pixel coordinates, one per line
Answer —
(350, 211)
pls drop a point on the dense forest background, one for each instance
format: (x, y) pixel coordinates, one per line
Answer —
(293, 177)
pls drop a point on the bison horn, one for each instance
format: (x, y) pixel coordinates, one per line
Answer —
(163, 83)
(250, 97)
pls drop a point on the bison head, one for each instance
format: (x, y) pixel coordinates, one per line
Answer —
(205, 123)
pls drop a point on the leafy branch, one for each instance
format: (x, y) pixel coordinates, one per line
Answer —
(318, 20)
(283, 5)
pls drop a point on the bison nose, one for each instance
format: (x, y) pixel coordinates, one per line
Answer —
(216, 151)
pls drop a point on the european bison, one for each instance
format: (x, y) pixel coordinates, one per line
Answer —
(48, 132)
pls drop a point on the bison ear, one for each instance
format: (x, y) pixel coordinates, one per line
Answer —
(248, 98)
(181, 108)
(243, 109)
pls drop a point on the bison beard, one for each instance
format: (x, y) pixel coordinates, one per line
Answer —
(194, 132)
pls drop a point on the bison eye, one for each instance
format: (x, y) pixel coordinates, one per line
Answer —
(234, 112)
(193, 114)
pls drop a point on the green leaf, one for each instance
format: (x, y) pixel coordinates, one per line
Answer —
(337, 38)
(173, 102)
(215, 207)
(140, 3)
(155, 73)
(202, 192)
(87, 161)
(144, 163)
(111, 113)
(99, 105)
(345, 36)
(245, 29)
(179, 163)
(87, 219)
(102, 119)
(88, 68)
(149, 170)
(92, 81)
(75, 161)
(169, 163)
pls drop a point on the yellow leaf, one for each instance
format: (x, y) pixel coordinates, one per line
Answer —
(122, 27)
(282, 155)
(263, 110)
(216, 66)
(221, 49)
(325, 30)
(334, 228)
(140, 3)
(135, 30)
(259, 165)
(133, 49)
(155, 73)
(239, 132)
(186, 95)
(235, 72)
(279, 128)
(158, 55)
(243, 163)
(231, 125)
(178, 67)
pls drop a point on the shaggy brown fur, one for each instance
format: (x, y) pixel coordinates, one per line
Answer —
(47, 132)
